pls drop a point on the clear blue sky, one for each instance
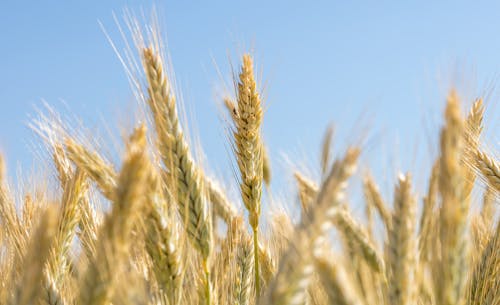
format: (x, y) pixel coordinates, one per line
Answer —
(384, 67)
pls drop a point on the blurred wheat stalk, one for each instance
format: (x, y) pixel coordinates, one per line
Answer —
(159, 243)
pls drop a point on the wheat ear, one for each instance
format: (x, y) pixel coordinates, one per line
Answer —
(30, 286)
(489, 168)
(244, 270)
(94, 166)
(307, 190)
(248, 148)
(99, 281)
(344, 222)
(485, 280)
(187, 178)
(296, 266)
(402, 245)
(473, 128)
(87, 219)
(373, 195)
(16, 235)
(58, 266)
(163, 243)
(488, 210)
(337, 283)
(355, 233)
(450, 278)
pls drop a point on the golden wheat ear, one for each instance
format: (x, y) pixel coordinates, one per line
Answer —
(290, 284)
(401, 248)
(99, 281)
(100, 171)
(489, 168)
(15, 235)
(58, 267)
(374, 198)
(30, 287)
(249, 149)
(184, 178)
(350, 229)
(307, 190)
(484, 283)
(163, 242)
(337, 282)
(451, 274)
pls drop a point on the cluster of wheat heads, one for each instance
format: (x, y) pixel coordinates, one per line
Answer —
(158, 243)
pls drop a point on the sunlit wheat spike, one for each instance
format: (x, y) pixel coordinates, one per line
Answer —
(337, 282)
(220, 203)
(489, 208)
(428, 218)
(484, 283)
(15, 235)
(88, 227)
(450, 278)
(61, 163)
(472, 132)
(248, 147)
(372, 194)
(307, 190)
(163, 242)
(186, 178)
(69, 217)
(100, 279)
(30, 286)
(244, 271)
(94, 165)
(489, 168)
(189, 189)
(247, 140)
(402, 245)
(296, 267)
(355, 233)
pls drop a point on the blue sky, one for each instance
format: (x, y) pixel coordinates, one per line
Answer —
(371, 67)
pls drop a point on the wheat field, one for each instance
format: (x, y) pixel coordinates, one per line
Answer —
(146, 231)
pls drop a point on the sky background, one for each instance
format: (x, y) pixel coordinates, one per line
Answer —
(379, 71)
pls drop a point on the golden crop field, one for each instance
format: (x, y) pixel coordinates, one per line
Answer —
(159, 241)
